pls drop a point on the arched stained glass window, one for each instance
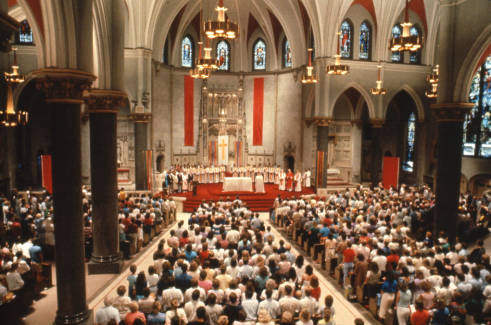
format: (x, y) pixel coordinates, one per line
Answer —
(259, 55)
(25, 33)
(287, 54)
(346, 40)
(187, 52)
(397, 33)
(415, 57)
(477, 124)
(223, 55)
(408, 164)
(365, 40)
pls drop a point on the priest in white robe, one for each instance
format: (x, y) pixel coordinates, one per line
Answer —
(259, 183)
(298, 181)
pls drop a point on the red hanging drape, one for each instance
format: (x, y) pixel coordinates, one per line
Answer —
(320, 167)
(257, 123)
(188, 111)
(46, 171)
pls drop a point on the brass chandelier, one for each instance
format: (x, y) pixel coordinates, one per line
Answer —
(406, 42)
(309, 76)
(199, 72)
(432, 79)
(9, 117)
(222, 27)
(337, 68)
(378, 90)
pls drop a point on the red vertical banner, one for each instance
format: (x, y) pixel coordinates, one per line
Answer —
(257, 120)
(148, 164)
(390, 172)
(188, 111)
(46, 173)
(320, 167)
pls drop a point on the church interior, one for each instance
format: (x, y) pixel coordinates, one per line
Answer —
(141, 132)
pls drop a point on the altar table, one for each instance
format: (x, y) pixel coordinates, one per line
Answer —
(237, 184)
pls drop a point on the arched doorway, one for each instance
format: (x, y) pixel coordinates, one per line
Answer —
(160, 163)
(290, 162)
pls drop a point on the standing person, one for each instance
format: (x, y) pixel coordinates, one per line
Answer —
(306, 178)
(106, 313)
(388, 290)
(421, 316)
(282, 180)
(403, 301)
(289, 180)
(298, 181)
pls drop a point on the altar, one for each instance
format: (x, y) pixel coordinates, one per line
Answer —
(237, 184)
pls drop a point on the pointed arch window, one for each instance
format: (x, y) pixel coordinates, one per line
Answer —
(365, 41)
(408, 164)
(187, 52)
(397, 33)
(25, 33)
(346, 40)
(415, 57)
(287, 54)
(259, 55)
(223, 55)
(477, 123)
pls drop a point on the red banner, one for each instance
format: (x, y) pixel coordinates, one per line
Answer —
(390, 172)
(257, 122)
(320, 167)
(46, 173)
(148, 164)
(188, 111)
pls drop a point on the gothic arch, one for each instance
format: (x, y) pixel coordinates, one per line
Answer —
(364, 94)
(415, 97)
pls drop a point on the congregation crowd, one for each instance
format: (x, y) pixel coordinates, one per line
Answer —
(380, 245)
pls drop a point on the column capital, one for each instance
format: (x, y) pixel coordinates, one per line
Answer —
(63, 85)
(141, 117)
(318, 121)
(105, 100)
(377, 123)
(450, 112)
(357, 122)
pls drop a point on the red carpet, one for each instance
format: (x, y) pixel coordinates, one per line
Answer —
(255, 201)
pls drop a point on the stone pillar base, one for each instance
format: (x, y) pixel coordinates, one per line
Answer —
(86, 318)
(111, 266)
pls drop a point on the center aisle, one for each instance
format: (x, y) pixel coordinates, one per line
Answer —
(345, 311)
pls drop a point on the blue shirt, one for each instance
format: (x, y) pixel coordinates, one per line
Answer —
(156, 319)
(191, 255)
(324, 232)
(389, 286)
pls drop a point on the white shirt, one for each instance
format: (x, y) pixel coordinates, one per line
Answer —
(14, 281)
(105, 314)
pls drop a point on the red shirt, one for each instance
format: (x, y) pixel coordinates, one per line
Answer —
(130, 317)
(349, 255)
(420, 317)
(316, 293)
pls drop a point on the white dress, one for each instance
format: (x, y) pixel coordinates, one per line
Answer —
(259, 183)
(298, 182)
(282, 178)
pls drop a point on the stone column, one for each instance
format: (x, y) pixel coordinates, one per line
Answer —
(103, 108)
(450, 117)
(63, 89)
(322, 145)
(376, 166)
(420, 153)
(356, 138)
(141, 123)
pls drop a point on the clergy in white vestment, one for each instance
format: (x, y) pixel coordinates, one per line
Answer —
(259, 184)
(298, 181)
(306, 178)
(282, 181)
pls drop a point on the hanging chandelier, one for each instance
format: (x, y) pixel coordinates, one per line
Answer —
(432, 78)
(222, 27)
(406, 42)
(9, 117)
(337, 68)
(199, 72)
(208, 62)
(378, 90)
(309, 76)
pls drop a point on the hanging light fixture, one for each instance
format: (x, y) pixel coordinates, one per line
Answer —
(432, 78)
(9, 117)
(337, 68)
(378, 90)
(309, 76)
(208, 62)
(199, 72)
(406, 42)
(222, 27)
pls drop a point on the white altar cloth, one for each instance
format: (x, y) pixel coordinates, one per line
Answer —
(237, 184)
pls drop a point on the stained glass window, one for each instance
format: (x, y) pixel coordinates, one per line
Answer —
(365, 41)
(187, 52)
(259, 51)
(223, 55)
(477, 124)
(25, 33)
(397, 33)
(408, 164)
(345, 40)
(287, 54)
(415, 56)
